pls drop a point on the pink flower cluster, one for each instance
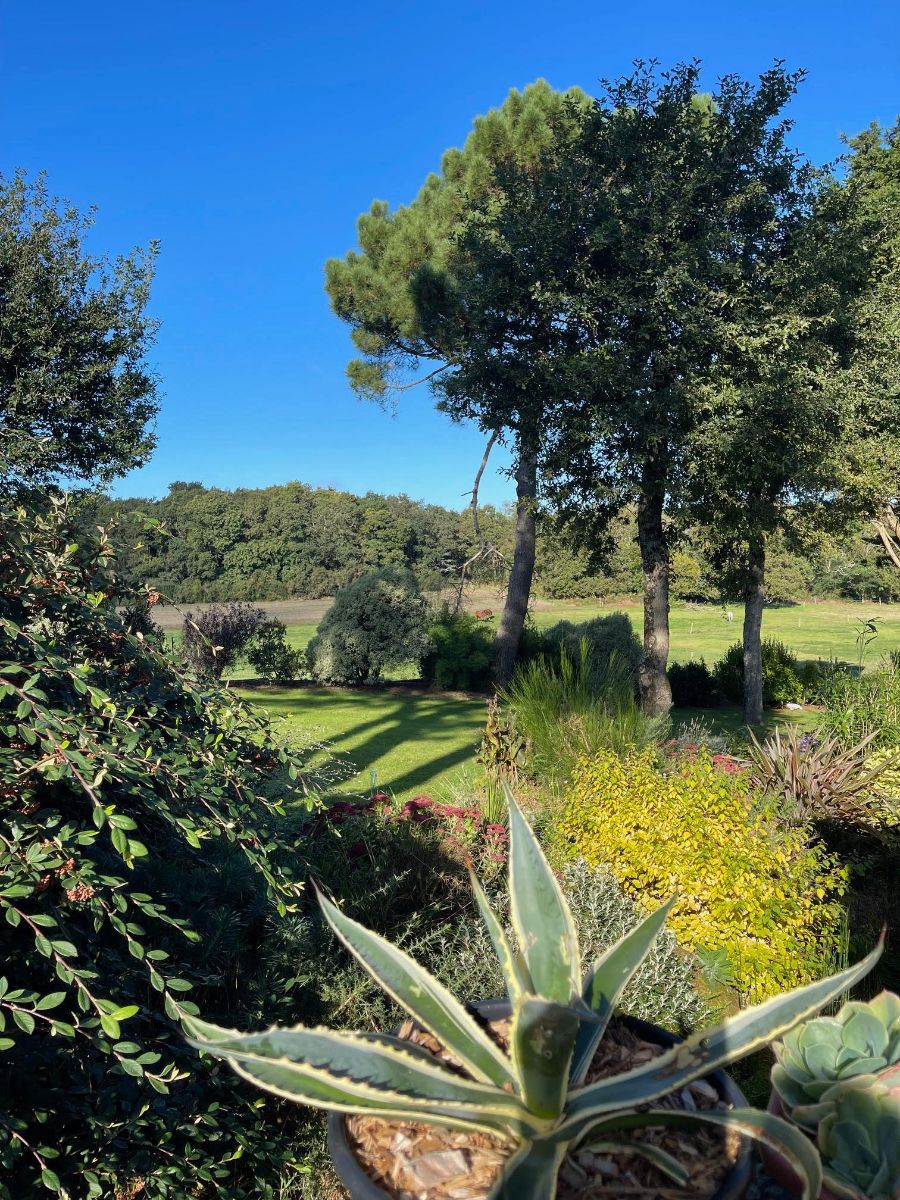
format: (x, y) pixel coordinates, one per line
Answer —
(467, 823)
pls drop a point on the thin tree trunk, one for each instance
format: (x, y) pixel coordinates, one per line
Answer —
(754, 598)
(515, 609)
(656, 695)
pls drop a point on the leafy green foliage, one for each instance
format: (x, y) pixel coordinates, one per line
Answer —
(377, 621)
(613, 647)
(764, 894)
(863, 706)
(564, 713)
(535, 1094)
(214, 639)
(76, 393)
(693, 684)
(140, 858)
(461, 652)
(270, 656)
(781, 678)
(292, 540)
(288, 540)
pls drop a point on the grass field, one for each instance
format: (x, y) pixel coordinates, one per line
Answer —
(412, 742)
(415, 741)
(825, 630)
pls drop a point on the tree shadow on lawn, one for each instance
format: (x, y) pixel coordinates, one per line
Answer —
(397, 721)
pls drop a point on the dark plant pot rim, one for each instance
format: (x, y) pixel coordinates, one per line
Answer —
(362, 1186)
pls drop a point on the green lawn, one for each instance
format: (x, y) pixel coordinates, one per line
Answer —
(418, 742)
(826, 630)
(413, 743)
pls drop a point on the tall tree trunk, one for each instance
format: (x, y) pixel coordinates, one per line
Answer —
(754, 598)
(515, 609)
(656, 695)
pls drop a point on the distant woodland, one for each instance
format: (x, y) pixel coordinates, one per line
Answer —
(294, 540)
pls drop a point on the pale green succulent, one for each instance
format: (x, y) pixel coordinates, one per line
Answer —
(534, 1094)
(862, 1042)
(859, 1140)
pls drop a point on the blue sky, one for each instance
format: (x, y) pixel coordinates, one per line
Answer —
(248, 137)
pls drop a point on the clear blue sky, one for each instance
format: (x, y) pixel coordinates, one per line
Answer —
(247, 137)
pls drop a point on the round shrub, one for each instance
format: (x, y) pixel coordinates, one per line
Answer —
(745, 885)
(693, 685)
(376, 622)
(460, 653)
(781, 674)
(141, 859)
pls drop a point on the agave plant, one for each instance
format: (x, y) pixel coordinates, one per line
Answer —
(534, 1095)
(815, 777)
(860, 1043)
(859, 1140)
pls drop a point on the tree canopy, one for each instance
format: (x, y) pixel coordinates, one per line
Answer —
(76, 393)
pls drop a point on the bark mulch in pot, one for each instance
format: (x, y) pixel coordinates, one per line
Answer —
(412, 1161)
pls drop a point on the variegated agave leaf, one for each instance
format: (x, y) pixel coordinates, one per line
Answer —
(540, 914)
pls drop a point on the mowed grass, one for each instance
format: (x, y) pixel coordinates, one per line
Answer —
(812, 631)
(412, 742)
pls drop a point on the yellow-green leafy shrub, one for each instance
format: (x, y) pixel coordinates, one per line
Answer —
(887, 787)
(745, 884)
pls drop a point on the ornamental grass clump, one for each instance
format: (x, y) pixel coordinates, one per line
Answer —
(746, 885)
(533, 1096)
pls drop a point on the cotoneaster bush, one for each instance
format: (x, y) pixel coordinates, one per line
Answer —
(745, 884)
(142, 861)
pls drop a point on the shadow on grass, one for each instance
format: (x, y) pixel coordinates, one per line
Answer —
(421, 737)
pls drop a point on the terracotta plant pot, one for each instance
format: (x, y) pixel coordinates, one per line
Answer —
(362, 1187)
(781, 1171)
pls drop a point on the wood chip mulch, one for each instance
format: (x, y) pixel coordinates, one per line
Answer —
(413, 1161)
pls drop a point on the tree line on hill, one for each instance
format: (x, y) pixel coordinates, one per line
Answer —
(289, 541)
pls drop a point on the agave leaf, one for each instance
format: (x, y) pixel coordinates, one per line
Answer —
(354, 1058)
(540, 914)
(531, 1173)
(541, 1040)
(660, 1158)
(779, 1135)
(515, 973)
(424, 998)
(322, 1093)
(606, 982)
(709, 1049)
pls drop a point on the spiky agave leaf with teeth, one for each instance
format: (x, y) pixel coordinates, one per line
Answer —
(534, 1095)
